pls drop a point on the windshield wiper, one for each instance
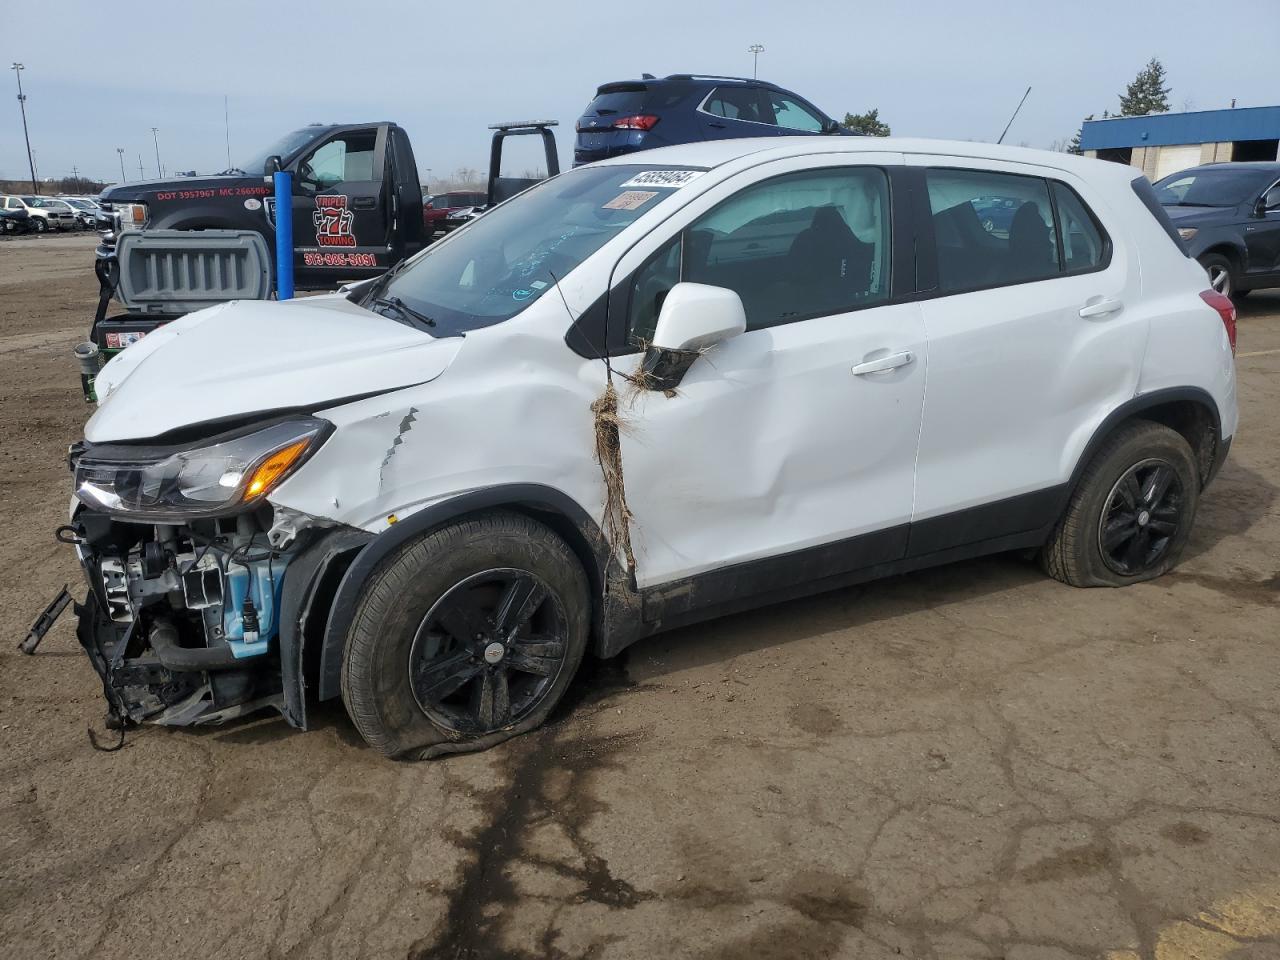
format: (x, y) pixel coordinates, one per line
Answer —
(402, 308)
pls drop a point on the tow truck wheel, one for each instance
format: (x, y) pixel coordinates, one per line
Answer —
(468, 636)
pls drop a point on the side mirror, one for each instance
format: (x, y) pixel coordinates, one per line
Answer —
(693, 318)
(831, 126)
(271, 167)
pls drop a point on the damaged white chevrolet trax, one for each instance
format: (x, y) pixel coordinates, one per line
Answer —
(644, 393)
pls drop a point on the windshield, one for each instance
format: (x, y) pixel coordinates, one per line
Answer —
(1213, 187)
(79, 204)
(500, 263)
(286, 145)
(35, 201)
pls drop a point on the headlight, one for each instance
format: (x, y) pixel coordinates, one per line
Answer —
(130, 216)
(1187, 233)
(221, 476)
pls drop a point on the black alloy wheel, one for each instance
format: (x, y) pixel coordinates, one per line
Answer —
(1141, 517)
(488, 651)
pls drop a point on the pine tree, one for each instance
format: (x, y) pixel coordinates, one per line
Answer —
(1074, 145)
(868, 123)
(1147, 93)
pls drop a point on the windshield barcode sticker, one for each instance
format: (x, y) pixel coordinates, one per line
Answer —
(663, 178)
(631, 200)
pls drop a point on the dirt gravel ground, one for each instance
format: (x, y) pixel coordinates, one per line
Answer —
(969, 762)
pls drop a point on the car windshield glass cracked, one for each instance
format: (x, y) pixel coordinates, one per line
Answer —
(508, 258)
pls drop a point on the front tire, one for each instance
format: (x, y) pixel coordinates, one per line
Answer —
(468, 636)
(1131, 513)
(1222, 274)
(40, 225)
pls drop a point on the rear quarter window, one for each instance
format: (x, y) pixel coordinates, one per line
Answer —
(1146, 193)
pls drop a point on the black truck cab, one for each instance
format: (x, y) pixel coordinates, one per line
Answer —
(357, 201)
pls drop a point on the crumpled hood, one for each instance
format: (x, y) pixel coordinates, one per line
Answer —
(253, 356)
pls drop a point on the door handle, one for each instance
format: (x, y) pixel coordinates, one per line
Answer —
(881, 364)
(1100, 308)
(363, 203)
(718, 126)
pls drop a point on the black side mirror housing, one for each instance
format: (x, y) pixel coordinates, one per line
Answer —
(663, 369)
(272, 166)
(831, 126)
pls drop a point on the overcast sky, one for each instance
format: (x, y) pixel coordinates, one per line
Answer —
(100, 75)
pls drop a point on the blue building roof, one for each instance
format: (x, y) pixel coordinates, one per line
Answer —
(1201, 126)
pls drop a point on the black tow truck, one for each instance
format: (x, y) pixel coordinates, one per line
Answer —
(170, 247)
(357, 201)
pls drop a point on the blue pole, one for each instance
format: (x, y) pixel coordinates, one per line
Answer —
(284, 235)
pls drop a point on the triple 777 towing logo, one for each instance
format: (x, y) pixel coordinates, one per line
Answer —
(333, 222)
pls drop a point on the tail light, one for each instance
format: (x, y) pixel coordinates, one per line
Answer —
(639, 121)
(1226, 310)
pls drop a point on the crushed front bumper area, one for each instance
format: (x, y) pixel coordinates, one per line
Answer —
(186, 624)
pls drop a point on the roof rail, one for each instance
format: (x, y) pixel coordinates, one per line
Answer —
(710, 76)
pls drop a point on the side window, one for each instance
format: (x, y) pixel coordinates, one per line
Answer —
(797, 246)
(649, 288)
(1084, 245)
(991, 229)
(792, 116)
(345, 159)
(736, 103)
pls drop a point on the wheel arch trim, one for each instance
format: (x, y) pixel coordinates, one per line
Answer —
(1132, 409)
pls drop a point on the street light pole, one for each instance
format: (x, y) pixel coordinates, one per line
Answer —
(124, 178)
(755, 50)
(22, 105)
(155, 135)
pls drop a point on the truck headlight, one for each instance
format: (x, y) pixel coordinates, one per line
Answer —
(130, 216)
(219, 476)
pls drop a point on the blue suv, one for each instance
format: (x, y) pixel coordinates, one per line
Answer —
(683, 108)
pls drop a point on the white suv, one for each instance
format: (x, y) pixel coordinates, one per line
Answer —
(641, 394)
(46, 213)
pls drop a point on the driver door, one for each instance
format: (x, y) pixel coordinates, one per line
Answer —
(797, 438)
(1262, 236)
(341, 208)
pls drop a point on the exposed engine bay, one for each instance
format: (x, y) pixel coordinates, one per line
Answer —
(181, 619)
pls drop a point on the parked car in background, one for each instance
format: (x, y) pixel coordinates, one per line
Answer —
(86, 211)
(14, 218)
(436, 212)
(62, 215)
(1228, 214)
(995, 213)
(632, 115)
(400, 496)
(46, 213)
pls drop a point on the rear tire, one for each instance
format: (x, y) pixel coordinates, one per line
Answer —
(1131, 513)
(466, 637)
